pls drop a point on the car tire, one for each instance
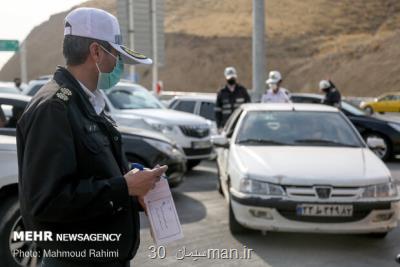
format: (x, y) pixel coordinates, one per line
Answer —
(384, 154)
(234, 226)
(378, 235)
(10, 217)
(219, 186)
(190, 164)
(369, 110)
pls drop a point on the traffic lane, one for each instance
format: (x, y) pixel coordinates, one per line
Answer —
(210, 230)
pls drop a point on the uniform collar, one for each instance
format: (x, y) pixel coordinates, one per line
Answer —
(95, 98)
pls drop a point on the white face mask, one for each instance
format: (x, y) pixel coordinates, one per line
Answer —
(273, 86)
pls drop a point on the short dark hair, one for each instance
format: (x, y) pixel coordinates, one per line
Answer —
(76, 48)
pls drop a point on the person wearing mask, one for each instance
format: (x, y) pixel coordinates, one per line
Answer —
(332, 94)
(275, 93)
(230, 97)
(17, 83)
(74, 178)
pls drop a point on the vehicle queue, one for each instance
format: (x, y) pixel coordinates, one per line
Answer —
(275, 173)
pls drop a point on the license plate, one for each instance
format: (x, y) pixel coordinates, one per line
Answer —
(324, 210)
(201, 144)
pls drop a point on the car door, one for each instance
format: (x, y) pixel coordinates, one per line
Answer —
(396, 103)
(207, 110)
(384, 104)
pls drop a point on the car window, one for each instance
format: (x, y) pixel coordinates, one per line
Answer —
(301, 99)
(207, 110)
(287, 128)
(185, 106)
(133, 98)
(386, 98)
(35, 89)
(350, 109)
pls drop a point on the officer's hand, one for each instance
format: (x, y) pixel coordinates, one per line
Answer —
(139, 183)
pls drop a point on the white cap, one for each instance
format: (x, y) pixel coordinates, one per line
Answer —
(230, 72)
(100, 25)
(324, 84)
(274, 77)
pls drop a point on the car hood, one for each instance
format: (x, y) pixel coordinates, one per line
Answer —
(8, 143)
(171, 117)
(311, 165)
(144, 134)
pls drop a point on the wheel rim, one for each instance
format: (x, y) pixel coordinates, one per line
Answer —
(380, 148)
(25, 246)
(369, 110)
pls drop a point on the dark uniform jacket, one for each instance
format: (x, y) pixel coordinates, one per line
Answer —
(71, 167)
(332, 98)
(228, 101)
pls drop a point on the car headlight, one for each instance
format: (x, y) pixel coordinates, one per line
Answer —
(260, 188)
(380, 191)
(162, 146)
(395, 126)
(165, 129)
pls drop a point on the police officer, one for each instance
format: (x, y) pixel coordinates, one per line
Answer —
(275, 93)
(73, 175)
(230, 97)
(332, 94)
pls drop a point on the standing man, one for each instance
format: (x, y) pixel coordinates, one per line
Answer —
(230, 97)
(17, 83)
(73, 175)
(275, 93)
(332, 94)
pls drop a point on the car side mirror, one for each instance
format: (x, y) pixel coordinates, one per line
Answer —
(220, 141)
(375, 143)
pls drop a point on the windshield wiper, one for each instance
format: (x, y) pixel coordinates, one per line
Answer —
(261, 141)
(324, 141)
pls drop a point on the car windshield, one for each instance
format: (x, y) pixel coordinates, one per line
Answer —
(346, 106)
(133, 97)
(296, 128)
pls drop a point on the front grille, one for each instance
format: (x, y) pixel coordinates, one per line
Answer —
(197, 152)
(198, 131)
(309, 193)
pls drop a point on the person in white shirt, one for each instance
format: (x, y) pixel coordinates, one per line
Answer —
(275, 93)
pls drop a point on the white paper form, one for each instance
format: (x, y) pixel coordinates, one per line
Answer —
(163, 217)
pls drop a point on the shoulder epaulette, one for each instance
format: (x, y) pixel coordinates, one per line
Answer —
(63, 94)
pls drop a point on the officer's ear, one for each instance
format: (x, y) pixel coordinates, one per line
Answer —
(95, 52)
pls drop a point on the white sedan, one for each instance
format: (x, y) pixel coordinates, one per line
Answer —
(302, 168)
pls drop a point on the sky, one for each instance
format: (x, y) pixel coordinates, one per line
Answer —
(19, 17)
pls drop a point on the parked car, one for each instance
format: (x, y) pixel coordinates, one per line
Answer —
(385, 134)
(199, 104)
(9, 88)
(142, 146)
(35, 85)
(389, 102)
(191, 132)
(302, 168)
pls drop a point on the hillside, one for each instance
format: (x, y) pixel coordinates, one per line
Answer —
(353, 42)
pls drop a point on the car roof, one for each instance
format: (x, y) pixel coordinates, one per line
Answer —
(307, 95)
(15, 97)
(197, 96)
(288, 107)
